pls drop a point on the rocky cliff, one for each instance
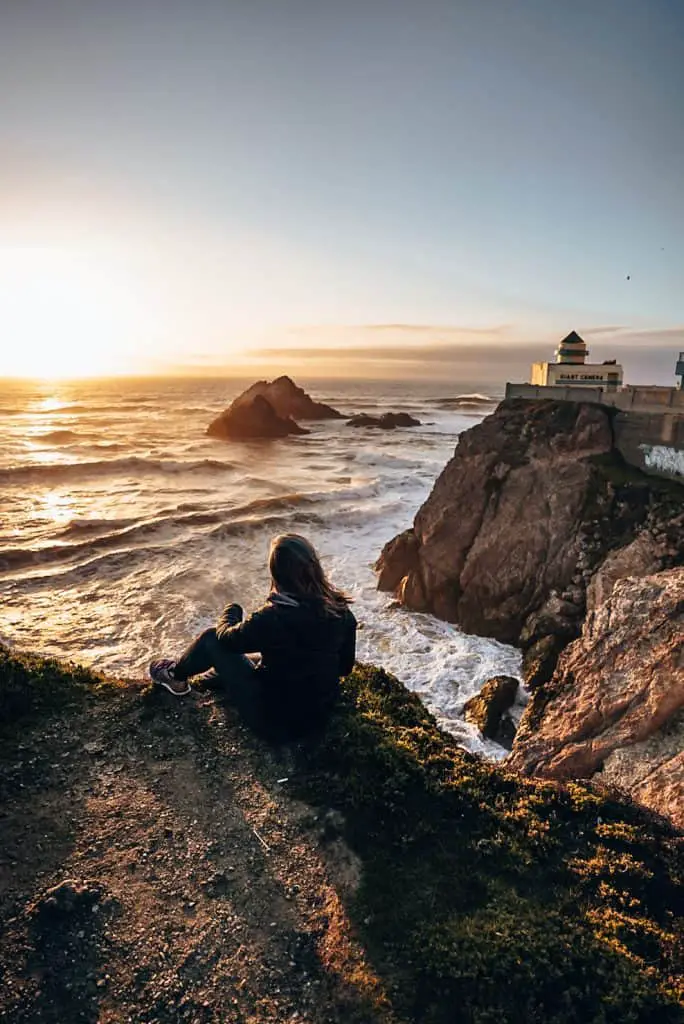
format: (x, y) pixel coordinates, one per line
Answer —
(613, 703)
(529, 530)
(517, 522)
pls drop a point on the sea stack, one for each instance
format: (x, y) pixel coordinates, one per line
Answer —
(288, 400)
(255, 418)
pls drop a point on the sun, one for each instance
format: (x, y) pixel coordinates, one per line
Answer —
(63, 313)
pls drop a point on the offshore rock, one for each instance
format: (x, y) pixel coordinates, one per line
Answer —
(288, 400)
(502, 531)
(616, 696)
(486, 709)
(388, 420)
(255, 418)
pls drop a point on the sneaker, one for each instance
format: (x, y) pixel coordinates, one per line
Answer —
(161, 673)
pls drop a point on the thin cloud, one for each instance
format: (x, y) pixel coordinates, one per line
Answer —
(352, 331)
(602, 330)
(432, 353)
(448, 329)
(664, 336)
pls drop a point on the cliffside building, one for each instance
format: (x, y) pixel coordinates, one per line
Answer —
(649, 420)
(572, 369)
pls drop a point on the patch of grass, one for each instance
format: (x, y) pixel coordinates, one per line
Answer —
(488, 897)
(34, 688)
(484, 897)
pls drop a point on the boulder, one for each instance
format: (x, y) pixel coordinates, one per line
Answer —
(540, 660)
(615, 694)
(67, 898)
(388, 420)
(652, 771)
(288, 400)
(502, 528)
(486, 709)
(642, 557)
(253, 419)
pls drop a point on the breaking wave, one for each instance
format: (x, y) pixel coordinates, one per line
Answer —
(58, 436)
(126, 534)
(133, 466)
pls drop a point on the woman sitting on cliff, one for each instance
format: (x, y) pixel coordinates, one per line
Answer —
(305, 634)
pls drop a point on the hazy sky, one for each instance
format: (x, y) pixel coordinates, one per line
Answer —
(190, 182)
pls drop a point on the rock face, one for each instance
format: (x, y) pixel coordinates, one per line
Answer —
(487, 708)
(255, 418)
(518, 522)
(288, 400)
(501, 530)
(388, 420)
(539, 534)
(614, 699)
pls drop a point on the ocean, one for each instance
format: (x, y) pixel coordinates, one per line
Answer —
(124, 529)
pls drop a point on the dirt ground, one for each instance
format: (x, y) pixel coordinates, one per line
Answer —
(155, 868)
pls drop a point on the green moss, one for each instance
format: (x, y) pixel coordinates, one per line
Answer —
(34, 688)
(484, 897)
(492, 898)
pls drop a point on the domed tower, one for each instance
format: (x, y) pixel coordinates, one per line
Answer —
(571, 369)
(572, 350)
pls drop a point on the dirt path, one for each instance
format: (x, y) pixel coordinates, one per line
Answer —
(158, 865)
(197, 888)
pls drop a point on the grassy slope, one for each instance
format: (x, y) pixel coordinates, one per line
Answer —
(483, 897)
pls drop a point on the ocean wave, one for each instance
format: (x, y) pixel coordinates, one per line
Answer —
(100, 560)
(133, 466)
(58, 436)
(128, 534)
(473, 401)
(475, 397)
(69, 409)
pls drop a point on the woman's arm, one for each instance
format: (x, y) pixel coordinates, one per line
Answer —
(243, 637)
(348, 650)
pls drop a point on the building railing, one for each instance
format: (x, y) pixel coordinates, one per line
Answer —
(637, 397)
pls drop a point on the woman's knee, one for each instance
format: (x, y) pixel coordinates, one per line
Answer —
(208, 638)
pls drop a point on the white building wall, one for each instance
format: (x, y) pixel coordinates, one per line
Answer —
(587, 375)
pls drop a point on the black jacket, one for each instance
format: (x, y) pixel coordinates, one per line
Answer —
(304, 651)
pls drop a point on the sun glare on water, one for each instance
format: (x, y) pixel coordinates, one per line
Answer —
(63, 314)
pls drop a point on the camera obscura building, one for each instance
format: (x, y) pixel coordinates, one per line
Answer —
(571, 367)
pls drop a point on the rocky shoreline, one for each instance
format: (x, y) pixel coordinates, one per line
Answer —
(161, 864)
(529, 530)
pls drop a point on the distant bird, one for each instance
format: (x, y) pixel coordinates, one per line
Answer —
(629, 277)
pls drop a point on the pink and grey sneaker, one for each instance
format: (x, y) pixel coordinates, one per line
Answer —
(161, 673)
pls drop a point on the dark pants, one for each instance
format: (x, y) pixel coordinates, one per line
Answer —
(236, 674)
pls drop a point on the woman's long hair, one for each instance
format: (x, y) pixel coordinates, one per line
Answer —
(296, 571)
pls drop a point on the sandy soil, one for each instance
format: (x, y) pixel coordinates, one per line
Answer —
(154, 868)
